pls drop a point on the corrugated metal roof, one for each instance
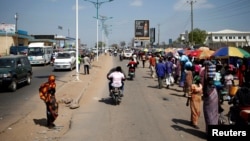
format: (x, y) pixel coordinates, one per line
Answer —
(19, 35)
(226, 31)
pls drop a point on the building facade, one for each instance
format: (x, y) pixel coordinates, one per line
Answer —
(225, 37)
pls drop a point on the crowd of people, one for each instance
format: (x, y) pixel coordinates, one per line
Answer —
(203, 80)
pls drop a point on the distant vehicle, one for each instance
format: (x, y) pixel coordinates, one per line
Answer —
(65, 60)
(94, 50)
(39, 54)
(127, 53)
(14, 69)
(16, 50)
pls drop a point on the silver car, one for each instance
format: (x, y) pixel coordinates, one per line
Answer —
(65, 60)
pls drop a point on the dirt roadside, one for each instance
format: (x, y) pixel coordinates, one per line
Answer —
(33, 126)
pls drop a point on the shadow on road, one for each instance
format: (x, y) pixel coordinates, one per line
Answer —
(194, 132)
(156, 87)
(41, 122)
(107, 100)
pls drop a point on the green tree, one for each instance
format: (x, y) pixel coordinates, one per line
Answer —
(114, 45)
(199, 36)
(100, 45)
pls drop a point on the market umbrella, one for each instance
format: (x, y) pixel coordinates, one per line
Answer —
(195, 53)
(205, 54)
(230, 51)
(169, 50)
(146, 50)
(203, 48)
(159, 49)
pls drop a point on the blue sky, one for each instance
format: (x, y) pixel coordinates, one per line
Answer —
(172, 16)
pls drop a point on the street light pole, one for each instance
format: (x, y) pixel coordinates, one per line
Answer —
(97, 5)
(16, 30)
(103, 19)
(77, 50)
(106, 34)
(192, 21)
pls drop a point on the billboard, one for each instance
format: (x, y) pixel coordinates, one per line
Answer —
(152, 35)
(7, 28)
(142, 30)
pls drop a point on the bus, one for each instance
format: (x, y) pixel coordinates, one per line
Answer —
(39, 54)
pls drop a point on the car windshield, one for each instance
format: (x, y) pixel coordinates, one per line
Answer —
(35, 51)
(63, 56)
(7, 63)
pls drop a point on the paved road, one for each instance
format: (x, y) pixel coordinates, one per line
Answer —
(145, 114)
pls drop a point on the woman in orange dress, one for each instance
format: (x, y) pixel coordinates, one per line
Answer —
(194, 96)
(47, 93)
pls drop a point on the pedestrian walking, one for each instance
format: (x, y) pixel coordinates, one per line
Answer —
(143, 58)
(177, 71)
(152, 63)
(210, 95)
(169, 72)
(47, 93)
(194, 97)
(79, 60)
(160, 71)
(86, 64)
(188, 80)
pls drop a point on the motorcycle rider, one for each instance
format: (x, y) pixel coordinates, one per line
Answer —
(241, 101)
(116, 76)
(132, 64)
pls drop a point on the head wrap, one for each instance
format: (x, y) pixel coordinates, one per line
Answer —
(197, 79)
(52, 78)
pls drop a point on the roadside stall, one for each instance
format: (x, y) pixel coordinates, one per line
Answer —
(234, 57)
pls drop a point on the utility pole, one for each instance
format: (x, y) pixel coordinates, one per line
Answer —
(158, 35)
(192, 21)
(97, 5)
(16, 29)
(103, 19)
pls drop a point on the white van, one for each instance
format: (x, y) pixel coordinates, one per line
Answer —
(39, 54)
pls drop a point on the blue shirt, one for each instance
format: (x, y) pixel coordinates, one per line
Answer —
(160, 69)
(169, 67)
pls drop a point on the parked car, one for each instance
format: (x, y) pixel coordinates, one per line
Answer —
(65, 60)
(15, 69)
(16, 50)
(127, 53)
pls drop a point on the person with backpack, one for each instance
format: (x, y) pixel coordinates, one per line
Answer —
(47, 93)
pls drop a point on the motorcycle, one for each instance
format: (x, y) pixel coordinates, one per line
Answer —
(115, 54)
(131, 73)
(121, 57)
(53, 57)
(116, 95)
(242, 117)
(238, 115)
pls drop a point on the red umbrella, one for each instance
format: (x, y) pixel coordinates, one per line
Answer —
(195, 53)
(187, 51)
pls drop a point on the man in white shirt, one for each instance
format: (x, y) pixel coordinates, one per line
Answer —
(117, 77)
